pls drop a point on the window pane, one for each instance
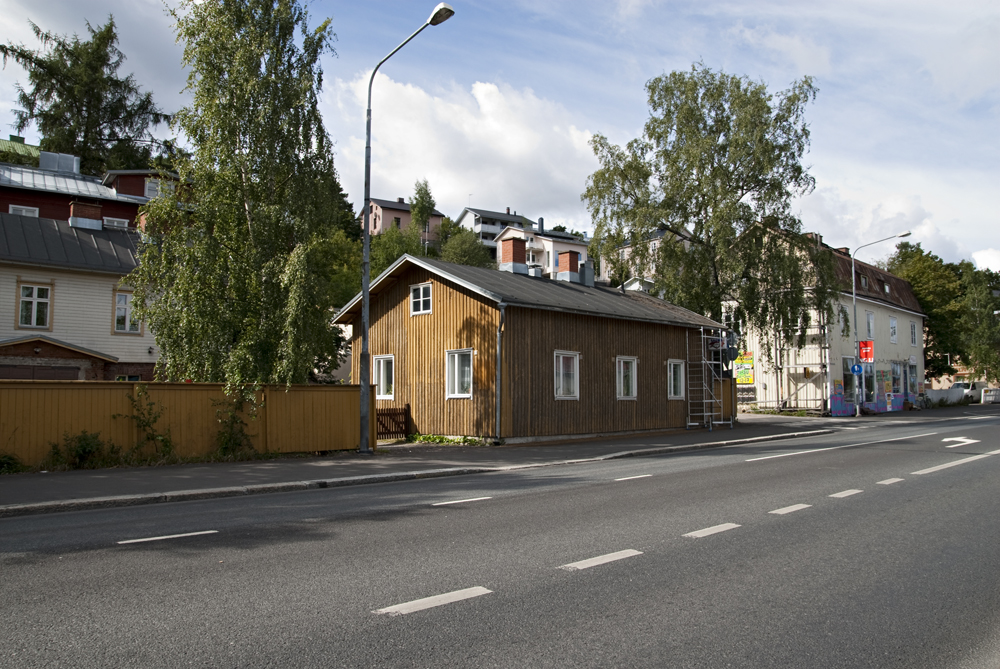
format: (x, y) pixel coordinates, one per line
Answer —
(121, 300)
(25, 312)
(133, 322)
(569, 375)
(27, 291)
(42, 293)
(848, 380)
(120, 316)
(464, 373)
(869, 370)
(912, 379)
(42, 314)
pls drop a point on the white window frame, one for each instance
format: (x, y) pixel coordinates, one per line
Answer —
(420, 300)
(378, 361)
(451, 371)
(557, 358)
(152, 186)
(913, 333)
(675, 367)
(896, 379)
(621, 362)
(870, 324)
(129, 320)
(847, 361)
(35, 301)
(120, 223)
(892, 329)
(18, 210)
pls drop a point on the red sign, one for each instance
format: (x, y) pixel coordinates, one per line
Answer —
(867, 351)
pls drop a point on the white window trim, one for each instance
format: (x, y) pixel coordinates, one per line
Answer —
(110, 222)
(34, 307)
(24, 210)
(376, 359)
(447, 357)
(618, 377)
(152, 186)
(128, 316)
(555, 376)
(670, 367)
(430, 297)
(893, 329)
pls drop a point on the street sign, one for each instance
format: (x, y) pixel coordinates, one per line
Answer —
(867, 353)
(856, 369)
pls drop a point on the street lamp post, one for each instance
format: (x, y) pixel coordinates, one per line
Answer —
(441, 13)
(859, 387)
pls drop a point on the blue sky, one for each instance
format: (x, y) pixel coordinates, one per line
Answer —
(495, 106)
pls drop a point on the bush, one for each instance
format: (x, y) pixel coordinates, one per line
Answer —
(85, 450)
(152, 445)
(10, 464)
(232, 439)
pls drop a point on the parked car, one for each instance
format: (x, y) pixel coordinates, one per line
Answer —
(973, 390)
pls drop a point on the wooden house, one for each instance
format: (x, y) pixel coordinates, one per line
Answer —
(505, 355)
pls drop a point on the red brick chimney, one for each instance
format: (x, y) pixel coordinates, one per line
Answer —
(512, 250)
(568, 261)
(85, 210)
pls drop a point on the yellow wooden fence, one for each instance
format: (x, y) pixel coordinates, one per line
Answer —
(35, 414)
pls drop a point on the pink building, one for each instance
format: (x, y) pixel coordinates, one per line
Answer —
(385, 214)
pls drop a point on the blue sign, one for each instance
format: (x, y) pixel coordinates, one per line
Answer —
(856, 369)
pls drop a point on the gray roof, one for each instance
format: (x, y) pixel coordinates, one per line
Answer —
(536, 293)
(65, 183)
(500, 216)
(57, 342)
(26, 240)
(399, 206)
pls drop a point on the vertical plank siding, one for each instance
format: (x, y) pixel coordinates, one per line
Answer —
(35, 414)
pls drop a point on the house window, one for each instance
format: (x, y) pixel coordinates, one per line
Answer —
(125, 320)
(847, 363)
(152, 188)
(913, 333)
(897, 376)
(128, 377)
(23, 211)
(626, 376)
(395, 222)
(115, 222)
(892, 329)
(35, 306)
(675, 379)
(871, 324)
(886, 288)
(864, 282)
(912, 380)
(567, 373)
(385, 367)
(869, 371)
(420, 299)
(548, 258)
(458, 374)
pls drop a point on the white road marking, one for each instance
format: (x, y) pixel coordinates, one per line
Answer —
(889, 481)
(629, 478)
(461, 501)
(956, 462)
(168, 536)
(834, 448)
(715, 529)
(846, 493)
(431, 602)
(960, 441)
(600, 559)
(790, 509)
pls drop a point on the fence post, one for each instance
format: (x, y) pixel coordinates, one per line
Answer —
(406, 421)
(372, 429)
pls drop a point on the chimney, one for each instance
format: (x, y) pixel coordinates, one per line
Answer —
(85, 215)
(512, 256)
(541, 225)
(845, 250)
(508, 210)
(587, 273)
(568, 267)
(400, 200)
(58, 162)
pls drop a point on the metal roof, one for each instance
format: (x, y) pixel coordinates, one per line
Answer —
(900, 291)
(66, 183)
(19, 148)
(399, 206)
(26, 240)
(519, 290)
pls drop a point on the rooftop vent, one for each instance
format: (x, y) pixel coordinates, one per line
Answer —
(58, 162)
(399, 200)
(16, 139)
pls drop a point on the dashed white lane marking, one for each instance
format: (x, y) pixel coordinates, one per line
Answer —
(960, 441)
(956, 462)
(168, 536)
(461, 501)
(790, 509)
(629, 478)
(715, 529)
(431, 602)
(846, 493)
(834, 448)
(600, 559)
(889, 481)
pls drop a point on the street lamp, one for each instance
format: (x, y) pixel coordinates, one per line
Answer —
(441, 13)
(859, 388)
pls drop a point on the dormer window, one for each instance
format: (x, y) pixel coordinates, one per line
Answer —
(887, 288)
(864, 282)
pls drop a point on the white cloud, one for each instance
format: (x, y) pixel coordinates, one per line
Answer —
(987, 259)
(807, 56)
(503, 146)
(628, 9)
(965, 62)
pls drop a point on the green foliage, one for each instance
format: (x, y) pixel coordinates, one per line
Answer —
(938, 288)
(152, 444)
(980, 323)
(80, 104)
(245, 264)
(716, 169)
(439, 439)
(11, 464)
(447, 230)
(387, 247)
(232, 440)
(421, 206)
(464, 248)
(84, 450)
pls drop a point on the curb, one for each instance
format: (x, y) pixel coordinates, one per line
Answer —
(89, 503)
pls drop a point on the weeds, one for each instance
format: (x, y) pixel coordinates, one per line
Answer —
(232, 441)
(85, 450)
(152, 444)
(11, 464)
(440, 439)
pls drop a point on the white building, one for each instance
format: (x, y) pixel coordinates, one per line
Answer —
(488, 225)
(542, 249)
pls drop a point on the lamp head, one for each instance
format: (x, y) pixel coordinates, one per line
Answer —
(904, 234)
(441, 13)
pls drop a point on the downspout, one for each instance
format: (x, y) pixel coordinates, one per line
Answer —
(497, 384)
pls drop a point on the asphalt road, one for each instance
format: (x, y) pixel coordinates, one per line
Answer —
(856, 549)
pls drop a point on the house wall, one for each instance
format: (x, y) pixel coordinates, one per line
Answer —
(532, 336)
(82, 312)
(381, 220)
(458, 320)
(56, 206)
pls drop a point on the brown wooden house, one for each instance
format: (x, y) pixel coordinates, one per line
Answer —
(574, 358)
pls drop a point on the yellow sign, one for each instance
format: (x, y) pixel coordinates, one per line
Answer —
(743, 368)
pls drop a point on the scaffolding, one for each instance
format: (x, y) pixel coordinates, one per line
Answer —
(705, 367)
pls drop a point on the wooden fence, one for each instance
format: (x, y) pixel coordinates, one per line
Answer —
(35, 414)
(393, 423)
